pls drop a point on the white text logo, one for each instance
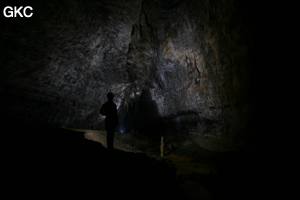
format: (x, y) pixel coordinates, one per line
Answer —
(15, 11)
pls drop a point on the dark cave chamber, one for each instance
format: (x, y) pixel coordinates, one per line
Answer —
(196, 75)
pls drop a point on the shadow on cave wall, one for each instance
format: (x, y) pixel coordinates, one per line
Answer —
(141, 117)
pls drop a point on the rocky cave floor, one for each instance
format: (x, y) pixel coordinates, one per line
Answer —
(42, 162)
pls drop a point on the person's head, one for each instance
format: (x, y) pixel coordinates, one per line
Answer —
(110, 96)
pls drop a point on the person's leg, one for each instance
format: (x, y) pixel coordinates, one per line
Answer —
(110, 139)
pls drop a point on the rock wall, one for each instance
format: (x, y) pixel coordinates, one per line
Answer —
(179, 62)
(59, 64)
(194, 60)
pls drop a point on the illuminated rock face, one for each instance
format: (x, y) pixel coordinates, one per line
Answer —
(185, 62)
(193, 59)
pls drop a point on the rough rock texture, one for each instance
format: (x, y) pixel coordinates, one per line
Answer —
(180, 64)
(194, 58)
(65, 58)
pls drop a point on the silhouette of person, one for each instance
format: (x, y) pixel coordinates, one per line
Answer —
(109, 109)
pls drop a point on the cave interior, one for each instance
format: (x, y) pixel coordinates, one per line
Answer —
(190, 71)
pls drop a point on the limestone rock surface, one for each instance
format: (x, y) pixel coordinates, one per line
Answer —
(185, 63)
